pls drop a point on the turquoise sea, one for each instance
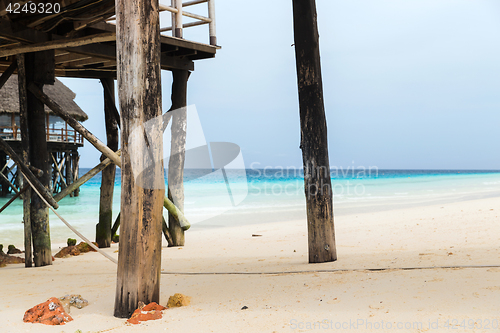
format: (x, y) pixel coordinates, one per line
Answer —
(271, 195)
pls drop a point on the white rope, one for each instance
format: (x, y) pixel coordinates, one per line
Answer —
(70, 226)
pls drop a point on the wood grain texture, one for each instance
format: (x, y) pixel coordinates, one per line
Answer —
(314, 141)
(58, 44)
(103, 228)
(138, 62)
(177, 153)
(23, 120)
(39, 158)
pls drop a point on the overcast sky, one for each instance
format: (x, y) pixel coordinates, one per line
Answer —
(407, 84)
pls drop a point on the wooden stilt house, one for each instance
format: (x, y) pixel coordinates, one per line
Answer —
(62, 140)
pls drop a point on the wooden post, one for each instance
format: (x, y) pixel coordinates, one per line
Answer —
(38, 73)
(103, 228)
(177, 153)
(138, 69)
(314, 141)
(23, 123)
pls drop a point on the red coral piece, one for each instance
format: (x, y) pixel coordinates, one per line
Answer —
(152, 311)
(153, 306)
(48, 313)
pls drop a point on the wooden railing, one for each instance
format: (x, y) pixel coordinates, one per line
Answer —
(64, 135)
(177, 10)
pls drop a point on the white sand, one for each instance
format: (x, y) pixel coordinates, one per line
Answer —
(464, 233)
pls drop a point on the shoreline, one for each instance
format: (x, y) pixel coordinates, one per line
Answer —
(270, 200)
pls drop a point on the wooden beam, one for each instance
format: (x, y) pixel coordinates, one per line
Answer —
(39, 71)
(71, 57)
(86, 74)
(139, 86)
(7, 73)
(59, 44)
(85, 62)
(100, 50)
(170, 62)
(109, 52)
(314, 140)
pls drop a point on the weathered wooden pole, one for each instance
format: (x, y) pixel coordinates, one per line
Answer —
(103, 228)
(68, 169)
(75, 158)
(23, 121)
(314, 141)
(39, 71)
(177, 152)
(139, 74)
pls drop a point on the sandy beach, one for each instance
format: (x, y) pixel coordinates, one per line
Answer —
(290, 294)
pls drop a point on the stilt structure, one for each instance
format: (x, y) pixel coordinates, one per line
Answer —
(314, 141)
(62, 141)
(86, 40)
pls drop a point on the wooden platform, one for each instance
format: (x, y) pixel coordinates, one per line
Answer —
(83, 48)
(52, 146)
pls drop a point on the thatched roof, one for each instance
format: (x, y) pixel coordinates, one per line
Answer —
(9, 98)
